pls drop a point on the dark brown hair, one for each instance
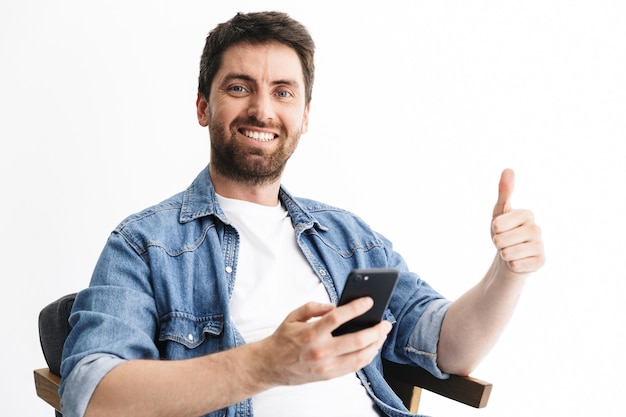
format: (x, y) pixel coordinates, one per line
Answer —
(257, 28)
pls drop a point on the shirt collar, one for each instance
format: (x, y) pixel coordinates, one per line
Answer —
(200, 200)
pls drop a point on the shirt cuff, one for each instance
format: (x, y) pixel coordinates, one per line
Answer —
(83, 380)
(422, 344)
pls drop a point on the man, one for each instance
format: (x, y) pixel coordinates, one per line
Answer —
(235, 280)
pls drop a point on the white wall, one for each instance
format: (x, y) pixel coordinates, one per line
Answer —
(416, 110)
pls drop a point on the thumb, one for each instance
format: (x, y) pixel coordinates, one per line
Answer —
(505, 190)
(309, 311)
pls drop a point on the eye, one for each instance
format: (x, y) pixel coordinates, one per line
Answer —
(284, 94)
(237, 89)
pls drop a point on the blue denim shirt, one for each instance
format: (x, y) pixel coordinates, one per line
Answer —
(162, 285)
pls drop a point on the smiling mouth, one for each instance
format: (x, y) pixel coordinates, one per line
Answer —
(258, 136)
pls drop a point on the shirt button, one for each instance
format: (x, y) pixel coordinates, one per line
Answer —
(190, 337)
(322, 272)
(229, 269)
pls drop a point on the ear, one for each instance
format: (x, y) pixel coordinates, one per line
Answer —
(202, 107)
(305, 118)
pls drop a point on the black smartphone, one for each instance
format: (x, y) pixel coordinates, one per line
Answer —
(378, 283)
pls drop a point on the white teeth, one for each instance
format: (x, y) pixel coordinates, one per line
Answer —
(260, 136)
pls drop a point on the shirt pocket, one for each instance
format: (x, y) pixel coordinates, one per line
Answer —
(183, 335)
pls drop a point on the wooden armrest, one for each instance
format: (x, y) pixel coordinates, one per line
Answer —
(47, 387)
(465, 389)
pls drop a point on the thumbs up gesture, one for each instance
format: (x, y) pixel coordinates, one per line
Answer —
(515, 234)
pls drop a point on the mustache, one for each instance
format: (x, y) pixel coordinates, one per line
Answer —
(253, 121)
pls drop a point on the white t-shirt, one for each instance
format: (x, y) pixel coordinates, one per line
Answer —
(273, 278)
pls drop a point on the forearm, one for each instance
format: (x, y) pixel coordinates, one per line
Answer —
(189, 387)
(474, 322)
(301, 350)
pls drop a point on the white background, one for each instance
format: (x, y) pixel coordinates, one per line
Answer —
(417, 108)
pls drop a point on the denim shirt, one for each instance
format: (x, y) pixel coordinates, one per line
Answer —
(162, 285)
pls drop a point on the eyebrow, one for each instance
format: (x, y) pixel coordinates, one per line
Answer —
(245, 77)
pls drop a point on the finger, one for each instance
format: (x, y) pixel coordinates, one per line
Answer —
(358, 360)
(521, 250)
(527, 265)
(344, 313)
(505, 190)
(514, 238)
(513, 220)
(367, 336)
(356, 350)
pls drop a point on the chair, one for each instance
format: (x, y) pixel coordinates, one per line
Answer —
(53, 330)
(406, 380)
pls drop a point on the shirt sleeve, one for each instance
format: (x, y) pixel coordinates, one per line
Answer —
(80, 384)
(422, 343)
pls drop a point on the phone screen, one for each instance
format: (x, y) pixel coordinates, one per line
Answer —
(376, 283)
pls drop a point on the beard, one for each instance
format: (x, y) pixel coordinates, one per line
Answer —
(247, 164)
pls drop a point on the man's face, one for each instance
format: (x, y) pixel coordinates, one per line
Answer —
(256, 112)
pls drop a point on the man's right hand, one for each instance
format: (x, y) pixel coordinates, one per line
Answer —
(303, 349)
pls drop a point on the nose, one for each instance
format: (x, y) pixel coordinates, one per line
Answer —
(261, 107)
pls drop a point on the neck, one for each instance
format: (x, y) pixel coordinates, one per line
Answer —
(265, 194)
